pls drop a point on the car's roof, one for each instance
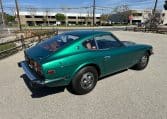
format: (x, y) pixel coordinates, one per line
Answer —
(85, 33)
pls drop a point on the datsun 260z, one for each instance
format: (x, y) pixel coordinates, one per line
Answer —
(79, 58)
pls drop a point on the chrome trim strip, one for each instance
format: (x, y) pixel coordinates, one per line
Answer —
(27, 71)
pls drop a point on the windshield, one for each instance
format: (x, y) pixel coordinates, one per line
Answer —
(57, 42)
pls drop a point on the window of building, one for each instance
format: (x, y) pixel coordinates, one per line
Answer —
(137, 14)
(71, 17)
(81, 17)
(39, 17)
(28, 16)
(53, 17)
(72, 22)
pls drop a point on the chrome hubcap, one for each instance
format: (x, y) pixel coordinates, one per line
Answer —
(144, 60)
(87, 80)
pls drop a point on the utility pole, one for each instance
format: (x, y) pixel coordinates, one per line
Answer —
(94, 7)
(155, 7)
(2, 14)
(153, 14)
(18, 15)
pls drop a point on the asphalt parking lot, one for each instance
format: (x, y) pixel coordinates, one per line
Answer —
(127, 95)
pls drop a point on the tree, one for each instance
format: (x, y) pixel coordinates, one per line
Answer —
(153, 20)
(33, 11)
(121, 14)
(8, 18)
(60, 17)
(165, 5)
(44, 20)
(104, 17)
(47, 16)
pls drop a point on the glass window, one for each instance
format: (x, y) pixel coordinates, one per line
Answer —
(90, 44)
(107, 41)
(57, 42)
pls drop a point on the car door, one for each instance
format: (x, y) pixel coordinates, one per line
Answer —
(114, 53)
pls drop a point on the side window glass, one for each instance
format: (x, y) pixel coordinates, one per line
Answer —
(106, 42)
(90, 44)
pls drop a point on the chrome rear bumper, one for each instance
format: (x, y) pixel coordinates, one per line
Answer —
(34, 78)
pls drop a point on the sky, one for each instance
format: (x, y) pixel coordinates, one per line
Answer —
(133, 4)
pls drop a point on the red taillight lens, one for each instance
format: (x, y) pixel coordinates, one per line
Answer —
(37, 67)
(51, 71)
(31, 63)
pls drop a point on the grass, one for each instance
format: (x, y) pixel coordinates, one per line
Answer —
(6, 46)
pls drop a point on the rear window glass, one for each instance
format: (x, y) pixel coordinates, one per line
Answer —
(57, 42)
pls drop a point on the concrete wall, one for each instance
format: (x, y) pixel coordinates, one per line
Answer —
(71, 18)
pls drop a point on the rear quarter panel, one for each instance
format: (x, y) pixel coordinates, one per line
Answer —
(68, 66)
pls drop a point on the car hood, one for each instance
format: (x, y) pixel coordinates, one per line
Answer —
(128, 43)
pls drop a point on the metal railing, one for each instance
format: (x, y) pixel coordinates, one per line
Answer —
(153, 30)
(24, 42)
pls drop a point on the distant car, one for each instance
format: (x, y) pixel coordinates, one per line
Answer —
(79, 58)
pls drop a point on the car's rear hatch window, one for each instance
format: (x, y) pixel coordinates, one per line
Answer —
(47, 47)
(57, 42)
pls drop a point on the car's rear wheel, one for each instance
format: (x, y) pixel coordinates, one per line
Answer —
(85, 80)
(143, 62)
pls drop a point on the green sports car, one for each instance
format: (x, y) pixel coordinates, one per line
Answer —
(79, 58)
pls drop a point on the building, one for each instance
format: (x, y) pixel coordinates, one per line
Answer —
(139, 16)
(30, 18)
(131, 16)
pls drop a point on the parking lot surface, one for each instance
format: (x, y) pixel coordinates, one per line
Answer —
(127, 95)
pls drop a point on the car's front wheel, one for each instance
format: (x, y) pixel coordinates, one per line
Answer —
(85, 80)
(143, 62)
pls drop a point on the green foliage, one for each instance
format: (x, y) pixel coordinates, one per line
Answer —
(104, 17)
(10, 18)
(60, 17)
(6, 46)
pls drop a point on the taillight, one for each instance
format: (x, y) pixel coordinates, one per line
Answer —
(37, 67)
(51, 71)
(31, 64)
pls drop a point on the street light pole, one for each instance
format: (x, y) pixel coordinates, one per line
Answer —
(94, 7)
(2, 14)
(18, 15)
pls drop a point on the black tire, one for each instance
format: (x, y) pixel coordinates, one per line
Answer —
(142, 64)
(84, 81)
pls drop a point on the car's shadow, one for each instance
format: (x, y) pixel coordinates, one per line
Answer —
(38, 92)
(45, 91)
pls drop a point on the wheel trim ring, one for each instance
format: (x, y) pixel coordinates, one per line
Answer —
(144, 60)
(87, 80)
